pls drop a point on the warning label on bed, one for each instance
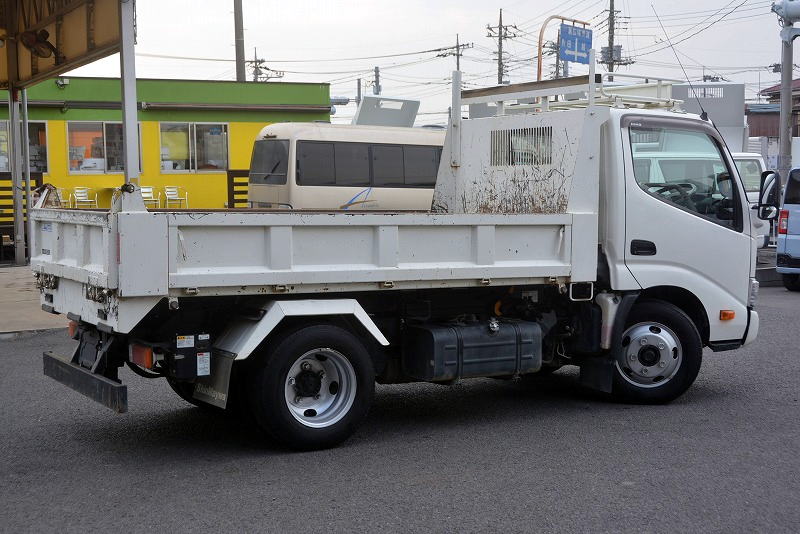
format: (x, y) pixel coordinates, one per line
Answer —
(203, 363)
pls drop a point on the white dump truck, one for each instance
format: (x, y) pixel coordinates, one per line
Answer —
(550, 242)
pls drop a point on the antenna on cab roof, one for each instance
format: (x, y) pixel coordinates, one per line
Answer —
(703, 115)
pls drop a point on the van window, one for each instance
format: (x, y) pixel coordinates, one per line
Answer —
(352, 164)
(315, 163)
(270, 162)
(750, 171)
(387, 165)
(421, 164)
(792, 189)
(687, 170)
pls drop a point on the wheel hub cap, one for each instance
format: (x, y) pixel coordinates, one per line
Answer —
(651, 354)
(320, 387)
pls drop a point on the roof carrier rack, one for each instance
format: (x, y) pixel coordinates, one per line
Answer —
(650, 91)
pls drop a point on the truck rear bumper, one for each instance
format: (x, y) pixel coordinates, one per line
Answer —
(97, 387)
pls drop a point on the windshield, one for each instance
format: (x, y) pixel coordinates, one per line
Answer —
(270, 162)
(750, 171)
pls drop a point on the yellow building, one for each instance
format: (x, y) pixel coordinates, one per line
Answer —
(196, 136)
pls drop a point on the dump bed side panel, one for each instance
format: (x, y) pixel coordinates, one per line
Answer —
(338, 250)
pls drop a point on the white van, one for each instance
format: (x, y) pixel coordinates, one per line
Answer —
(750, 166)
(337, 166)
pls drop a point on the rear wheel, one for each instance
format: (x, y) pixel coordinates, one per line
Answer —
(661, 354)
(312, 387)
(791, 282)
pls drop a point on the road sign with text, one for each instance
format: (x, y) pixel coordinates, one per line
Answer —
(574, 44)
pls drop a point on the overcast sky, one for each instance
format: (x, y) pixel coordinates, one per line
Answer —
(323, 41)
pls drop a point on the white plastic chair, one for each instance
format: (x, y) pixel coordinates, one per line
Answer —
(172, 195)
(64, 198)
(82, 198)
(148, 195)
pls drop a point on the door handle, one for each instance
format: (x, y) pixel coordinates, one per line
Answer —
(640, 247)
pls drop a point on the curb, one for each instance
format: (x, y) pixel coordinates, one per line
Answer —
(8, 336)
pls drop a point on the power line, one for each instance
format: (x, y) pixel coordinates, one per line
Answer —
(400, 54)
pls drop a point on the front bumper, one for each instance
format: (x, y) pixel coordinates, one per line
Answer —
(752, 328)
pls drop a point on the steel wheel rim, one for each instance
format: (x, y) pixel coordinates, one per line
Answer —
(651, 355)
(319, 401)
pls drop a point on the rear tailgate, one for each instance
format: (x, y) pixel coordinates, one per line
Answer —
(74, 256)
(77, 245)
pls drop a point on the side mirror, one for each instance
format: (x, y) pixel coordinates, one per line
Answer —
(769, 196)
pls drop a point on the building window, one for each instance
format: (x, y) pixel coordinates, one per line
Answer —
(189, 146)
(96, 147)
(86, 147)
(37, 137)
(37, 143)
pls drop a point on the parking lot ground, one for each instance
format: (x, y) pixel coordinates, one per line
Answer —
(483, 456)
(19, 304)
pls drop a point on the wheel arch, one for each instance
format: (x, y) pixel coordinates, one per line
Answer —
(244, 335)
(686, 301)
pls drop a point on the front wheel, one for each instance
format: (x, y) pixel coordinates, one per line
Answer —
(791, 282)
(660, 356)
(312, 387)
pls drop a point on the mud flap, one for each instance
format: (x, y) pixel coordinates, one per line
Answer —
(598, 374)
(213, 389)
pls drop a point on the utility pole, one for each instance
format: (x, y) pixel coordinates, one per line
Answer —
(260, 70)
(500, 68)
(611, 22)
(455, 51)
(501, 31)
(789, 13)
(611, 55)
(238, 22)
(376, 87)
(458, 54)
(358, 91)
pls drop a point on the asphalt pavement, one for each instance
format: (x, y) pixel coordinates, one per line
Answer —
(483, 456)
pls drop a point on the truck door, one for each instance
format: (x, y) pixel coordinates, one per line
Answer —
(687, 224)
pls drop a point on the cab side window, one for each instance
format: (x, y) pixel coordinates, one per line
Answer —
(685, 168)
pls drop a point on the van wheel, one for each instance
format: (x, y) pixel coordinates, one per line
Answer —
(791, 282)
(312, 387)
(661, 354)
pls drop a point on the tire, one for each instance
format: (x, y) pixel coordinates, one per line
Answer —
(299, 407)
(791, 282)
(661, 355)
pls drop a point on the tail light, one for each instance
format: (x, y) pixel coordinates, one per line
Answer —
(141, 355)
(783, 222)
(73, 329)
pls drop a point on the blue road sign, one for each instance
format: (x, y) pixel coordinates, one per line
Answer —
(574, 44)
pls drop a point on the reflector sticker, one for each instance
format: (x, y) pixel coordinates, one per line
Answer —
(184, 342)
(203, 363)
